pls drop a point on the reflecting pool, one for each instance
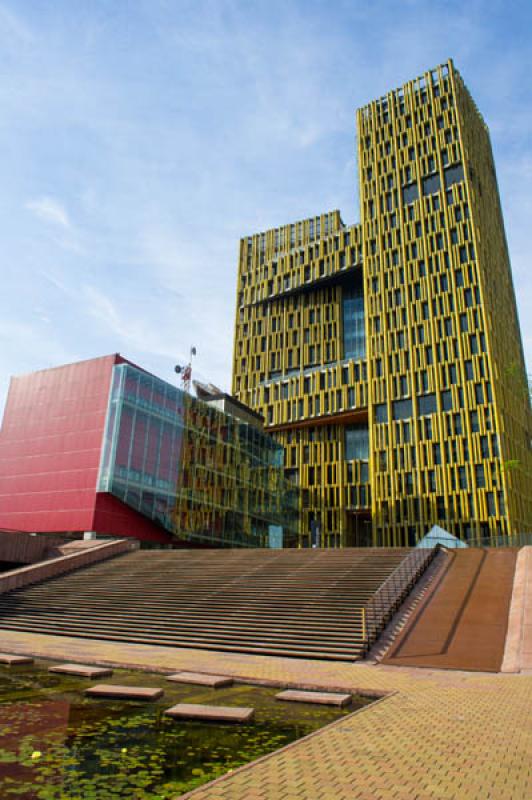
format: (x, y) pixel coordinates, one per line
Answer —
(56, 744)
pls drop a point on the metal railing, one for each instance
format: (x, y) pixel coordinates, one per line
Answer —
(378, 611)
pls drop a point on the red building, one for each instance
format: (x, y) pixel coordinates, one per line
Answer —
(51, 444)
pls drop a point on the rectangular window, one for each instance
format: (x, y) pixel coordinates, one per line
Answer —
(431, 184)
(446, 401)
(410, 193)
(381, 412)
(402, 409)
(356, 442)
(453, 175)
(354, 340)
(426, 404)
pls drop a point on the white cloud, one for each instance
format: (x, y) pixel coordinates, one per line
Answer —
(49, 210)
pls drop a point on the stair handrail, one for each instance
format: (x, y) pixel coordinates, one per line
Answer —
(378, 611)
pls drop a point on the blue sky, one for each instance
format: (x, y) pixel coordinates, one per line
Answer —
(140, 139)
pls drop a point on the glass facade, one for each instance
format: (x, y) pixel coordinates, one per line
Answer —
(203, 475)
(356, 442)
(354, 338)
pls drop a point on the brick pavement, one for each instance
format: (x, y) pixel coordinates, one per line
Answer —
(440, 734)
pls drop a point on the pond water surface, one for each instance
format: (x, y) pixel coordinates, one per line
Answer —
(56, 744)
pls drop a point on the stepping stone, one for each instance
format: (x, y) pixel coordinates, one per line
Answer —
(7, 658)
(82, 670)
(323, 698)
(124, 692)
(212, 713)
(215, 681)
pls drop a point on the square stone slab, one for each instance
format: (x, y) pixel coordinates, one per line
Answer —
(212, 713)
(82, 670)
(7, 658)
(323, 698)
(124, 692)
(215, 681)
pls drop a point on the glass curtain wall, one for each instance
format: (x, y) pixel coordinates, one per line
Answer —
(203, 475)
(354, 338)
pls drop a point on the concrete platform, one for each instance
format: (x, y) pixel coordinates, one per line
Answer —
(211, 713)
(124, 692)
(11, 660)
(322, 698)
(82, 670)
(199, 679)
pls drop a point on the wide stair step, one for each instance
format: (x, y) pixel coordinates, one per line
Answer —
(302, 603)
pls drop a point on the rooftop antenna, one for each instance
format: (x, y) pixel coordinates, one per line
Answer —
(186, 371)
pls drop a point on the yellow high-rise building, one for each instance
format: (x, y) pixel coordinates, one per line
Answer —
(386, 357)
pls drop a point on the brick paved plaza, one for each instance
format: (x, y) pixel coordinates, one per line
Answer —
(438, 734)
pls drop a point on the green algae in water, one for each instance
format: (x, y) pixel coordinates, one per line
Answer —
(56, 744)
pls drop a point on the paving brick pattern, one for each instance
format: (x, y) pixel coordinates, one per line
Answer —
(441, 734)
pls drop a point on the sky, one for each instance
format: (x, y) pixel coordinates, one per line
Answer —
(141, 139)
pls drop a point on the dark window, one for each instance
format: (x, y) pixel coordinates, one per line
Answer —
(426, 404)
(479, 476)
(410, 193)
(431, 184)
(453, 175)
(446, 400)
(381, 413)
(402, 409)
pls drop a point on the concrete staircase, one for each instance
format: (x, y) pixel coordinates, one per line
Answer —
(275, 602)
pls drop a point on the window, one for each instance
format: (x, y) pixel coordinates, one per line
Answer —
(426, 404)
(410, 193)
(402, 409)
(430, 185)
(446, 400)
(381, 413)
(356, 442)
(354, 340)
(479, 476)
(453, 175)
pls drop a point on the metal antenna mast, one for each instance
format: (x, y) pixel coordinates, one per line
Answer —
(186, 371)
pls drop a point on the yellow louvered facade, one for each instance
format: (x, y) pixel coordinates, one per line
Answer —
(386, 357)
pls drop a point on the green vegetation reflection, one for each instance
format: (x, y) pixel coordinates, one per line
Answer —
(55, 744)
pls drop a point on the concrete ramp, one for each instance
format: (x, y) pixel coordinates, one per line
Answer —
(463, 623)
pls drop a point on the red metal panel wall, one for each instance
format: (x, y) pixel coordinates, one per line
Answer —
(50, 445)
(117, 519)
